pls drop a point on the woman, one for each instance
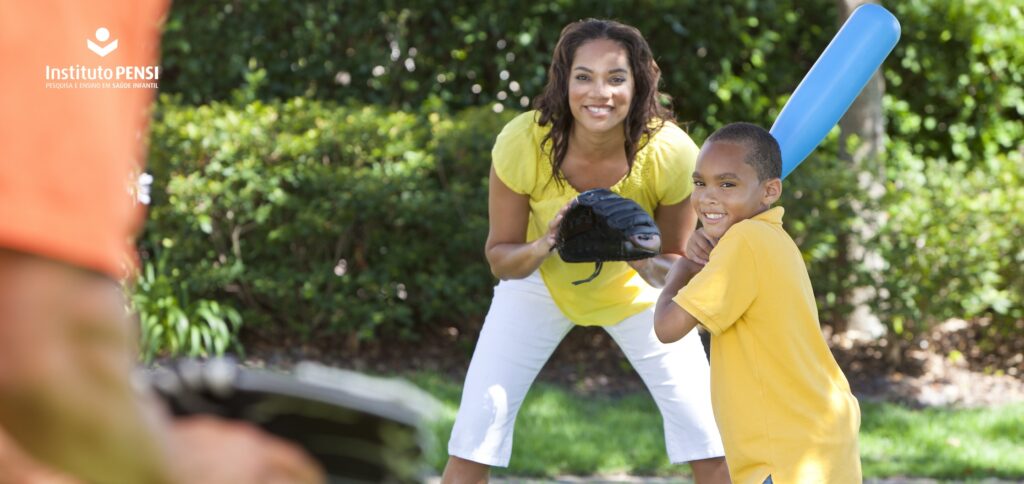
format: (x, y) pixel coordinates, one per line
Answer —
(598, 124)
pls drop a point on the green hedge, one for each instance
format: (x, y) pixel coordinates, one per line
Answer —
(317, 219)
(953, 241)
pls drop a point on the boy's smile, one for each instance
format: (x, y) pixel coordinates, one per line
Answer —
(726, 188)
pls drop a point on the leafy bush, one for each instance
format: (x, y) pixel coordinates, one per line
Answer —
(956, 78)
(953, 241)
(314, 218)
(951, 236)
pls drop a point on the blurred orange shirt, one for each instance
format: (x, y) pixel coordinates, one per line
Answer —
(70, 157)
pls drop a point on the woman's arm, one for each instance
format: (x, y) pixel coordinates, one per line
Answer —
(676, 223)
(508, 253)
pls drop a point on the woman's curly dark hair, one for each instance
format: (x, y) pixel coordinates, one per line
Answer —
(646, 114)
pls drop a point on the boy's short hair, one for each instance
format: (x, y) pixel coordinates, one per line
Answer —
(763, 152)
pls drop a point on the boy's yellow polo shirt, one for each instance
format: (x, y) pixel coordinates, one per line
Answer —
(661, 175)
(781, 402)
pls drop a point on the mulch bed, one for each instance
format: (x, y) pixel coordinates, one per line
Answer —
(958, 363)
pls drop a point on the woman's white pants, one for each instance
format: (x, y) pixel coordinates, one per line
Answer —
(521, 331)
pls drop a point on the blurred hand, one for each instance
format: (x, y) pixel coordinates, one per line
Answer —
(216, 451)
(66, 359)
(17, 467)
(698, 248)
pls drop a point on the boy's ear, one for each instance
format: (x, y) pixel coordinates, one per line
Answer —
(772, 191)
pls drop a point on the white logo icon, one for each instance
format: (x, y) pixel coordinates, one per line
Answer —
(102, 34)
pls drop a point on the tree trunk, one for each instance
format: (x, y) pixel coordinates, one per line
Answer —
(861, 139)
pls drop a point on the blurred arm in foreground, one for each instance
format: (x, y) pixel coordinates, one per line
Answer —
(68, 153)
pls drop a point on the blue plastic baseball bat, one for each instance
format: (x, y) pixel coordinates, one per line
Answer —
(834, 82)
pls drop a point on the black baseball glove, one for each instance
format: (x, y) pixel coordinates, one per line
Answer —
(603, 226)
(359, 428)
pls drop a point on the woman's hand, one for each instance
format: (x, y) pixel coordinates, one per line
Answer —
(508, 253)
(550, 239)
(698, 248)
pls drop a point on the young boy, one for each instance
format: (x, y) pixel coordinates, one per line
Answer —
(783, 406)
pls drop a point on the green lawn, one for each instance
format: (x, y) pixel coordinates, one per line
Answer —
(561, 433)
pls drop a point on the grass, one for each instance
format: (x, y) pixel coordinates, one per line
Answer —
(942, 443)
(561, 433)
